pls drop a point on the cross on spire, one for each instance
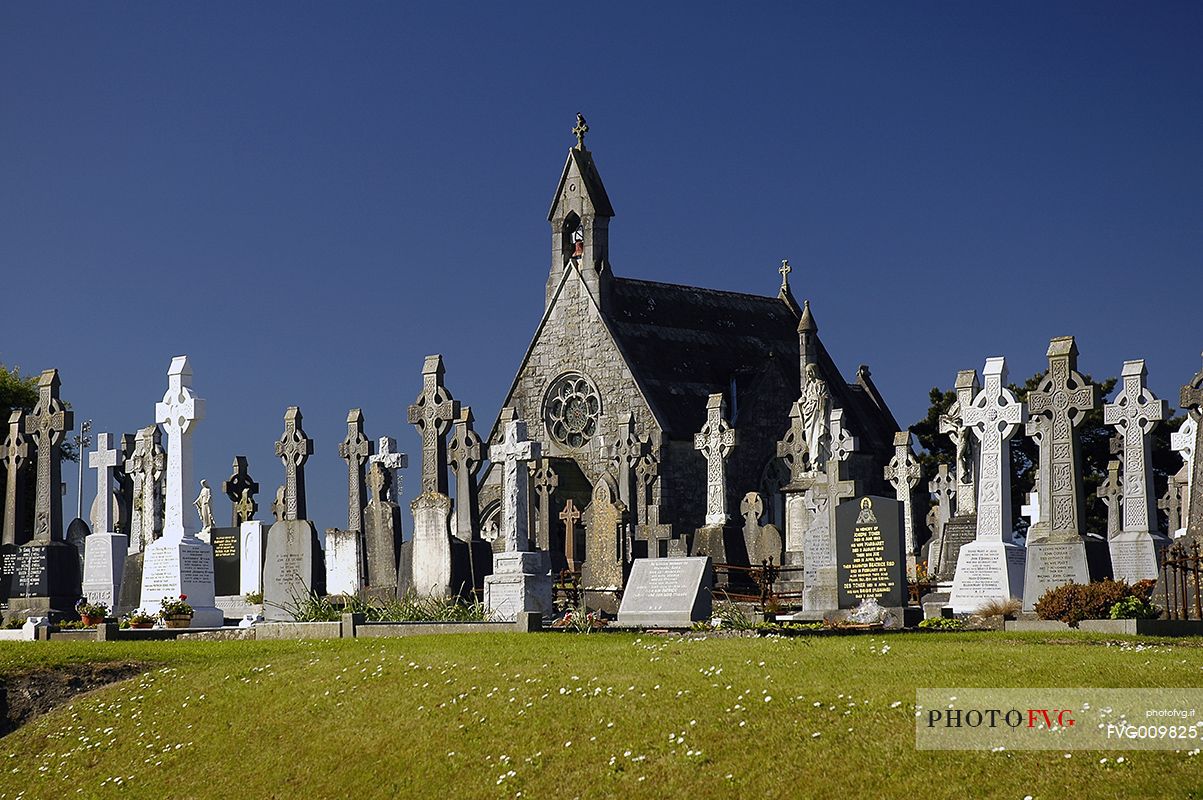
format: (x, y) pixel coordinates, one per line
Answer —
(355, 449)
(715, 440)
(433, 413)
(579, 131)
(103, 459)
(46, 425)
(294, 449)
(785, 270)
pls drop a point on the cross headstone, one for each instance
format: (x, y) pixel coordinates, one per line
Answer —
(605, 553)
(1171, 501)
(657, 534)
(1111, 492)
(179, 412)
(103, 459)
(792, 447)
(382, 533)
(822, 493)
(570, 516)
(944, 487)
(952, 424)
(624, 454)
(146, 468)
(433, 414)
(763, 542)
(241, 490)
(387, 456)
(994, 417)
(514, 453)
(1191, 399)
(903, 472)
(1063, 398)
(1182, 441)
(715, 441)
(294, 449)
(125, 485)
(355, 450)
(465, 454)
(545, 481)
(1134, 414)
(46, 425)
(16, 458)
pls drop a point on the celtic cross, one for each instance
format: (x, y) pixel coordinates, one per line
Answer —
(145, 468)
(464, 456)
(1111, 492)
(994, 416)
(715, 441)
(514, 452)
(16, 454)
(433, 413)
(1191, 398)
(178, 413)
(294, 449)
(952, 425)
(579, 131)
(355, 449)
(1134, 414)
(241, 490)
(46, 425)
(903, 472)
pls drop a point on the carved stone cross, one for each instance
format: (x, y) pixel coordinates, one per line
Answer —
(178, 413)
(1134, 414)
(994, 417)
(294, 449)
(16, 454)
(465, 454)
(1111, 492)
(1191, 399)
(570, 517)
(514, 452)
(792, 447)
(625, 454)
(579, 131)
(903, 472)
(715, 441)
(46, 425)
(355, 449)
(785, 270)
(1063, 398)
(145, 468)
(433, 413)
(241, 490)
(1171, 501)
(103, 459)
(952, 425)
(944, 487)
(388, 457)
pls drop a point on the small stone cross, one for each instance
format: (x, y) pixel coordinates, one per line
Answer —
(46, 425)
(433, 414)
(1111, 492)
(570, 517)
(715, 441)
(294, 449)
(103, 459)
(785, 270)
(579, 131)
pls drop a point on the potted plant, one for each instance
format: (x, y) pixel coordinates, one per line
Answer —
(91, 613)
(175, 613)
(140, 619)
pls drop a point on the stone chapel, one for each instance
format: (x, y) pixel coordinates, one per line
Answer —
(616, 381)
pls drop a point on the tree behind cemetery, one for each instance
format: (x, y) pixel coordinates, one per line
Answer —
(1095, 438)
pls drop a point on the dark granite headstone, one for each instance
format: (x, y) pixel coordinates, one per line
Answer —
(667, 592)
(227, 561)
(958, 531)
(131, 584)
(46, 580)
(8, 572)
(870, 552)
(77, 536)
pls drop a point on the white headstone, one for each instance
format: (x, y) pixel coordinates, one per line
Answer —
(344, 562)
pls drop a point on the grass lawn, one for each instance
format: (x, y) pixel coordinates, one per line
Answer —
(569, 715)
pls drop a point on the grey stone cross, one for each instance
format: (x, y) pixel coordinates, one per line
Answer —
(579, 131)
(952, 425)
(1063, 398)
(355, 449)
(465, 454)
(1134, 414)
(903, 472)
(241, 490)
(785, 270)
(994, 417)
(1191, 399)
(514, 452)
(715, 441)
(46, 425)
(625, 454)
(103, 459)
(570, 517)
(16, 454)
(944, 487)
(433, 413)
(294, 449)
(1111, 492)
(145, 467)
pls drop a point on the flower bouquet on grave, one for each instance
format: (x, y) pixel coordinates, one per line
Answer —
(91, 613)
(175, 613)
(140, 619)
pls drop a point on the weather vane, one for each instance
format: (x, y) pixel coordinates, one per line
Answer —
(580, 130)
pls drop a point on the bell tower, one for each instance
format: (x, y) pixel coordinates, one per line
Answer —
(580, 220)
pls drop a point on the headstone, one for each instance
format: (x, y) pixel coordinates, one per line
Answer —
(823, 492)
(943, 487)
(47, 579)
(386, 455)
(1056, 554)
(465, 454)
(16, 468)
(658, 535)
(624, 454)
(431, 558)
(520, 580)
(715, 441)
(992, 566)
(381, 535)
(763, 542)
(124, 511)
(254, 547)
(345, 570)
(903, 472)
(104, 550)
(1191, 399)
(667, 593)
(241, 489)
(1134, 414)
(1182, 441)
(355, 449)
(570, 516)
(433, 413)
(178, 562)
(544, 481)
(1111, 492)
(147, 469)
(292, 565)
(952, 424)
(602, 572)
(77, 536)
(227, 561)
(870, 552)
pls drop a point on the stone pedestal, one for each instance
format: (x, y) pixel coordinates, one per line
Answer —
(344, 562)
(104, 564)
(172, 567)
(723, 543)
(520, 582)
(987, 570)
(1135, 556)
(1053, 564)
(254, 546)
(292, 568)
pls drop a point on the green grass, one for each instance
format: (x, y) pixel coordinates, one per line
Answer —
(569, 715)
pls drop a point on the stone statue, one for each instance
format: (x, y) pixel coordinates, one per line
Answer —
(204, 506)
(816, 402)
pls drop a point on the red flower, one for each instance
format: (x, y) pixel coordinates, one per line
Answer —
(183, 597)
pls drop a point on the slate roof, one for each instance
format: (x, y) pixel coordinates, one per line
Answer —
(685, 343)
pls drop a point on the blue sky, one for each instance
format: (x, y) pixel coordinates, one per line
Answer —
(307, 198)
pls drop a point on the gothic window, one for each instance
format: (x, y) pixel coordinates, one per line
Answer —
(571, 410)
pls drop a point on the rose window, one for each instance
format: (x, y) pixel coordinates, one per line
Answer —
(571, 410)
